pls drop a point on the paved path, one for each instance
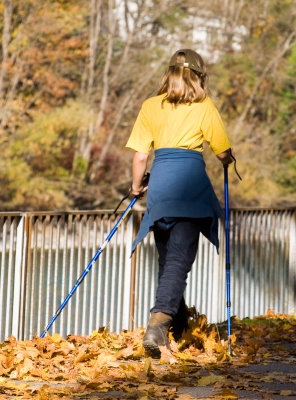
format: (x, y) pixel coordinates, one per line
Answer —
(271, 379)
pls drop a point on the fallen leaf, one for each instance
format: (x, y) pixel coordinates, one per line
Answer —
(286, 392)
(25, 367)
(228, 394)
(81, 357)
(174, 346)
(43, 394)
(185, 357)
(210, 379)
(166, 355)
(125, 353)
(147, 368)
(103, 359)
(267, 396)
(56, 338)
(114, 364)
(286, 327)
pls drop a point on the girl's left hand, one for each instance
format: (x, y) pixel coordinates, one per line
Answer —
(139, 192)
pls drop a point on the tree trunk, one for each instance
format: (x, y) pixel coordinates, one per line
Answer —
(94, 30)
(111, 31)
(6, 37)
(11, 93)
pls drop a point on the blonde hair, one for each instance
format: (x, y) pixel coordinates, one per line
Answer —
(183, 85)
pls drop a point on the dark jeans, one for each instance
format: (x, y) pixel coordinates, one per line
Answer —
(177, 249)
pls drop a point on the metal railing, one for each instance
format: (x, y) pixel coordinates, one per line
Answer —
(43, 254)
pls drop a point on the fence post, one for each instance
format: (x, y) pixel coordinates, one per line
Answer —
(292, 263)
(135, 227)
(17, 285)
(127, 279)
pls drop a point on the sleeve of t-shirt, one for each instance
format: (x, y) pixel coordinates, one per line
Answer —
(141, 138)
(214, 132)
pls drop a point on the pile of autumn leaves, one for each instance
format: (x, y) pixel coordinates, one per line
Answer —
(105, 361)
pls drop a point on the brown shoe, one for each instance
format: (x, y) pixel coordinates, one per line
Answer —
(157, 333)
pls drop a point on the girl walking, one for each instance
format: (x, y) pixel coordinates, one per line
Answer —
(181, 202)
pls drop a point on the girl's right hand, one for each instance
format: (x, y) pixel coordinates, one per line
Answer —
(225, 157)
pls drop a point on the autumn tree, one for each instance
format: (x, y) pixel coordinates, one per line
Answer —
(74, 74)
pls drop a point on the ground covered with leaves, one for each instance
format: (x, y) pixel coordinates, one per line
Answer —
(116, 364)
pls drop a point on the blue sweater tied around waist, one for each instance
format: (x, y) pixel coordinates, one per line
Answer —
(179, 187)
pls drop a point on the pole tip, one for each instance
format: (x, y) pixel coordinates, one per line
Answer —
(229, 347)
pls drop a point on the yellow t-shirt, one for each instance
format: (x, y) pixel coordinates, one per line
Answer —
(185, 127)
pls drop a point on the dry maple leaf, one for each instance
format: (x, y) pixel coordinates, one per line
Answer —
(56, 338)
(40, 373)
(286, 392)
(7, 363)
(270, 313)
(139, 352)
(211, 344)
(77, 339)
(227, 394)
(134, 372)
(210, 379)
(267, 396)
(103, 359)
(174, 346)
(25, 349)
(82, 356)
(188, 356)
(166, 355)
(125, 353)
(100, 386)
(147, 367)
(26, 366)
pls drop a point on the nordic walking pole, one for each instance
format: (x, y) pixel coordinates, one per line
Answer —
(227, 250)
(88, 268)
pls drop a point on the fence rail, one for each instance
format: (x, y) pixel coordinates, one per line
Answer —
(43, 254)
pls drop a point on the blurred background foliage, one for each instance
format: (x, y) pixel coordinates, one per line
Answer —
(74, 74)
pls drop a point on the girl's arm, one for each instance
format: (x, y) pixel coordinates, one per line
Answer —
(139, 168)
